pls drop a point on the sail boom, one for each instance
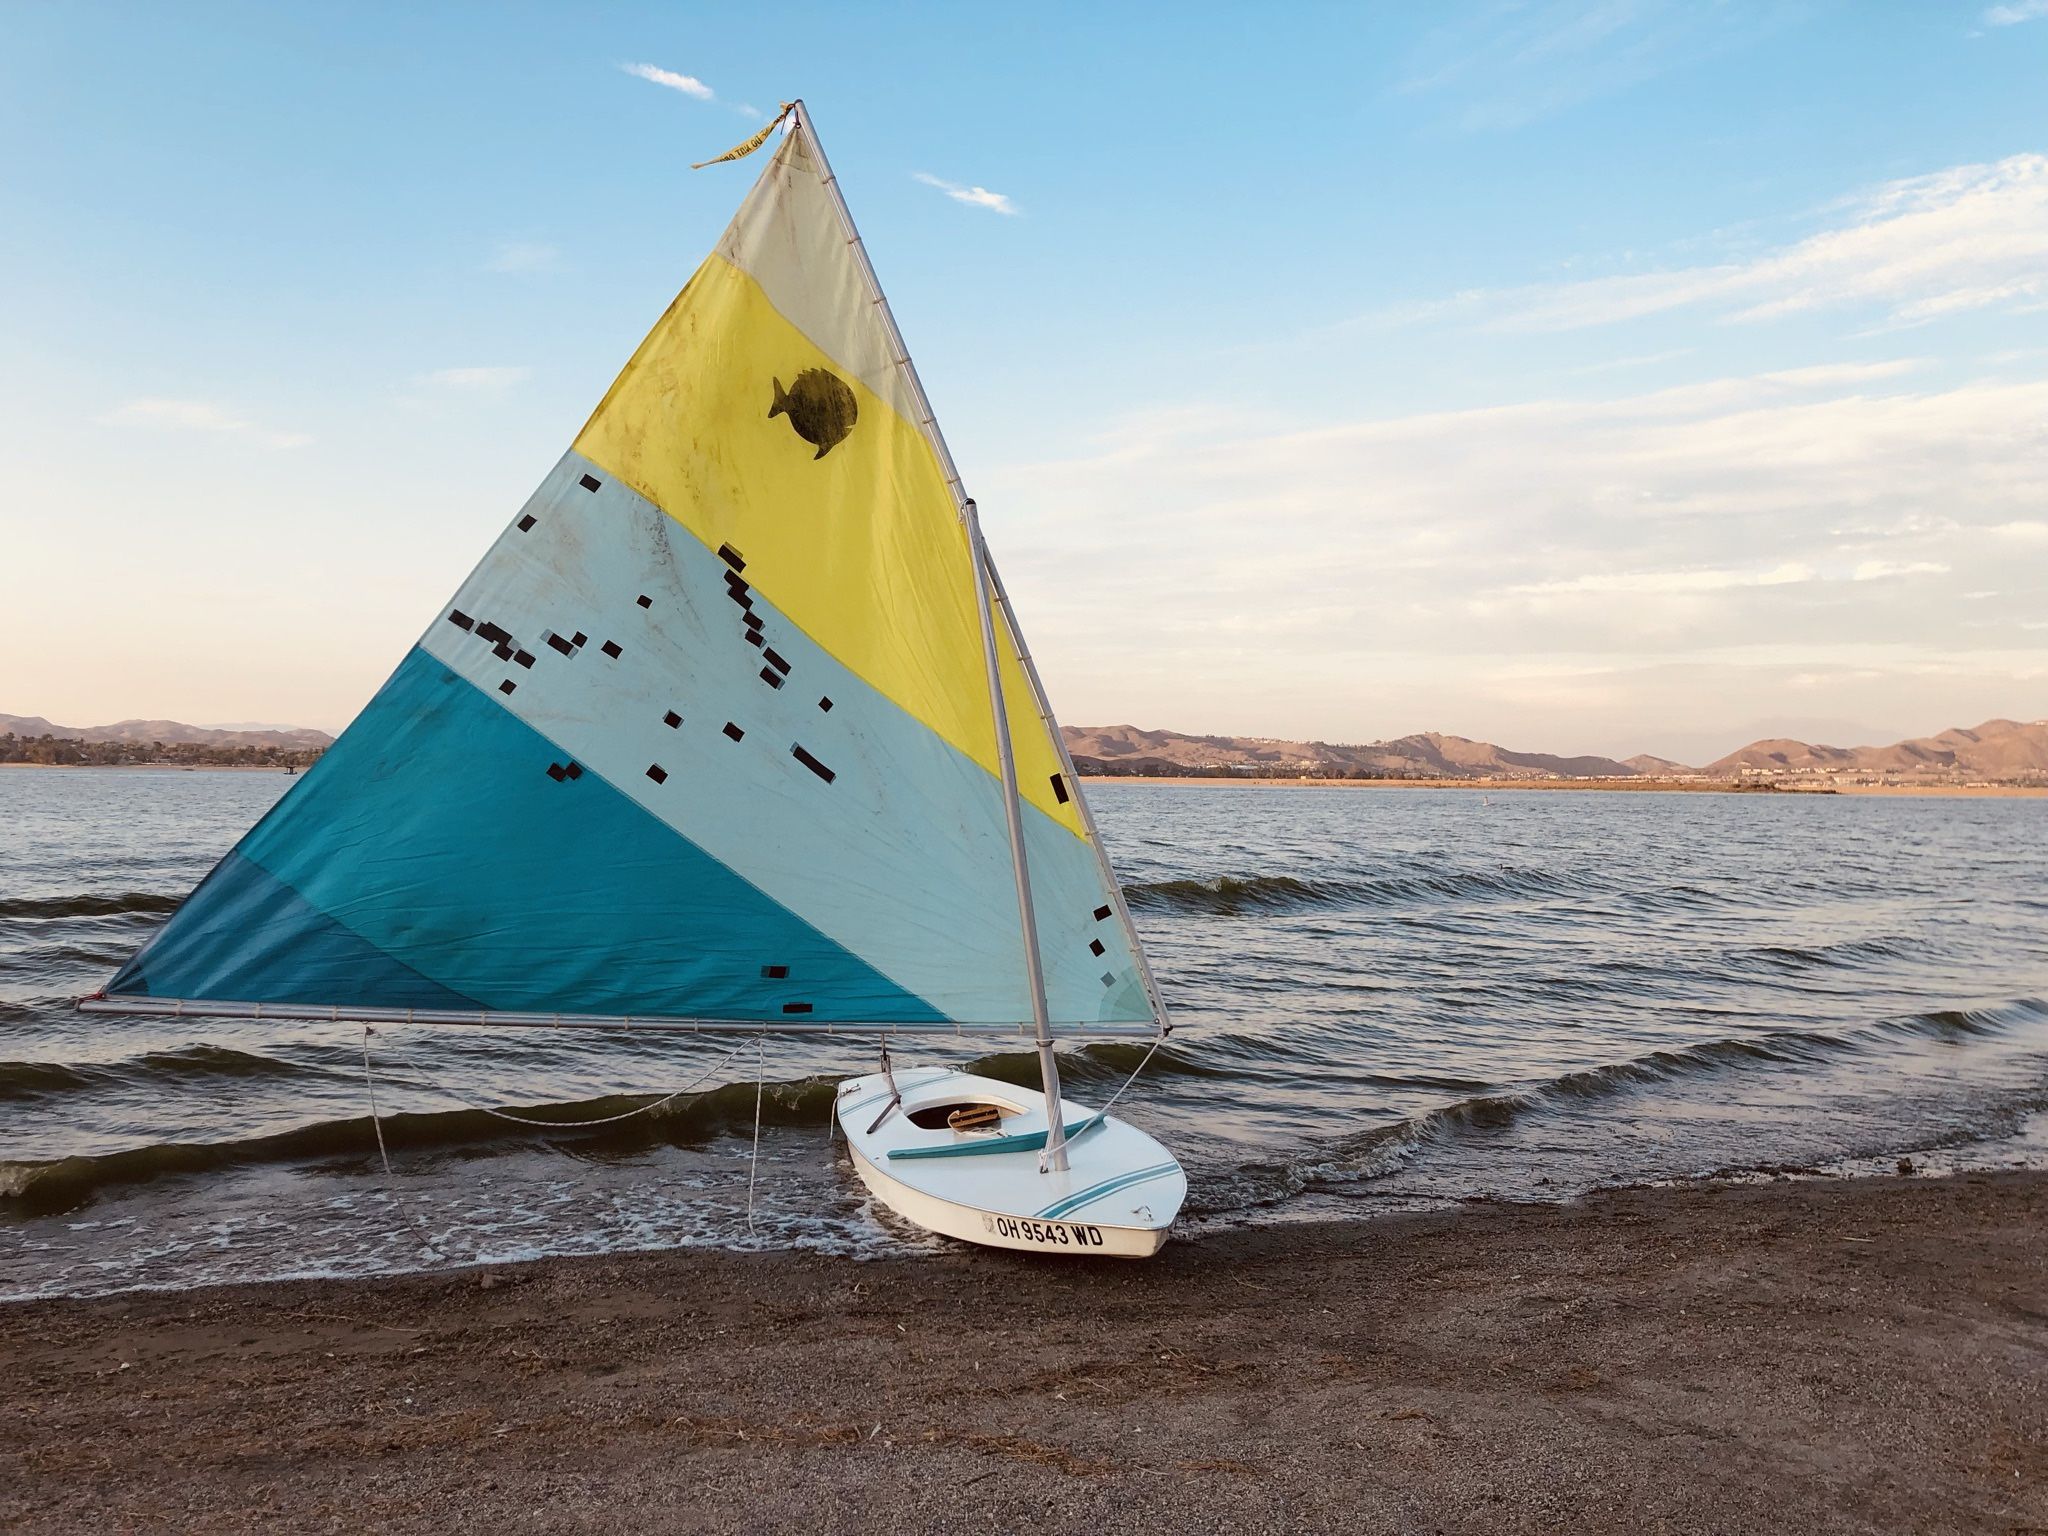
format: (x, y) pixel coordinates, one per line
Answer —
(343, 1014)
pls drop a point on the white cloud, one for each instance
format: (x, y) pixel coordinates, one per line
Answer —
(200, 416)
(978, 197)
(1970, 237)
(524, 256)
(476, 380)
(1392, 573)
(689, 85)
(2012, 15)
(1676, 581)
(1506, 65)
(1885, 570)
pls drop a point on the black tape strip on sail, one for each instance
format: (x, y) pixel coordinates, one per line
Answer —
(776, 661)
(460, 619)
(813, 764)
(611, 649)
(491, 632)
(526, 523)
(590, 482)
(771, 677)
(657, 773)
(671, 719)
(774, 972)
(1102, 914)
(731, 557)
(1059, 788)
(796, 1007)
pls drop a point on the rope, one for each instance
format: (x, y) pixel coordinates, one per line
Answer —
(754, 1163)
(1143, 1062)
(383, 1156)
(572, 1125)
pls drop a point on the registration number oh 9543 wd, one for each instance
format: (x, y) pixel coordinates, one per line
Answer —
(1047, 1234)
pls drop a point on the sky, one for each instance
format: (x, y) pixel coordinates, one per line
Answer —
(1609, 376)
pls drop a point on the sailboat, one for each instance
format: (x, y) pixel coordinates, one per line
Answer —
(732, 729)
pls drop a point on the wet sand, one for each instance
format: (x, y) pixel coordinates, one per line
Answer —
(1797, 1355)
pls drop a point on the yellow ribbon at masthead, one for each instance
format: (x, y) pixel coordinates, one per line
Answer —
(746, 147)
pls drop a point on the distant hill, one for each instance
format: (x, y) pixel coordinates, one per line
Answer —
(1648, 763)
(1429, 755)
(1997, 749)
(169, 732)
(2004, 751)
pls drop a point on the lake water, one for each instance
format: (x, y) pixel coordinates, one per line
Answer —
(1384, 999)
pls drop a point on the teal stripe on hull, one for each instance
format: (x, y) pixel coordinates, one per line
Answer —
(433, 836)
(1107, 1188)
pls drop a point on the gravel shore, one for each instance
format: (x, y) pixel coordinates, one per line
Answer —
(1806, 1355)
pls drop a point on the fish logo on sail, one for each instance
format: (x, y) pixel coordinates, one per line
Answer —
(820, 408)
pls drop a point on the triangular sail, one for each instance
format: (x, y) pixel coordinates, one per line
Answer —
(707, 733)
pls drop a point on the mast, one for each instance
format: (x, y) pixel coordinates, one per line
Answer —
(1052, 727)
(1055, 1157)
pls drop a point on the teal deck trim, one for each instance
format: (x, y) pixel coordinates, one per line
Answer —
(1107, 1188)
(1027, 1141)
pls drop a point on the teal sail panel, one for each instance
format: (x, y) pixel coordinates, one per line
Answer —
(431, 859)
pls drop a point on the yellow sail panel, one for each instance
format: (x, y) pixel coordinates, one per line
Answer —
(788, 237)
(742, 429)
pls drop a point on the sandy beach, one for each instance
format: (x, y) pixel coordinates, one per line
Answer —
(1797, 1354)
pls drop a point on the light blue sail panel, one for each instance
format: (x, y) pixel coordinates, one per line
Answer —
(431, 859)
(627, 641)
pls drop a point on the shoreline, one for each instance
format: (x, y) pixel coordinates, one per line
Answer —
(1176, 781)
(1627, 786)
(1828, 1355)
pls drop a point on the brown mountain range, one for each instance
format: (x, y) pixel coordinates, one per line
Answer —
(1999, 751)
(1428, 755)
(170, 732)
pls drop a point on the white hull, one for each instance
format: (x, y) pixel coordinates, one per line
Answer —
(1117, 1198)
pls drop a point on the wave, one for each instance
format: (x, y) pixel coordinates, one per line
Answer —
(151, 1070)
(36, 1188)
(144, 903)
(1236, 895)
(1371, 1153)
(40, 1188)
(1843, 955)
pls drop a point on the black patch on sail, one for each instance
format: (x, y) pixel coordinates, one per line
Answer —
(820, 408)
